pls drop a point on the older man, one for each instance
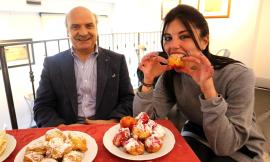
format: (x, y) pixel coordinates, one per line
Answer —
(85, 84)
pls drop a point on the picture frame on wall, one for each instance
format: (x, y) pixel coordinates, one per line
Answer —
(166, 6)
(193, 3)
(18, 56)
(17, 52)
(209, 8)
(215, 8)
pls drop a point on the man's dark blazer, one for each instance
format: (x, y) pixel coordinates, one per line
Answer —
(56, 100)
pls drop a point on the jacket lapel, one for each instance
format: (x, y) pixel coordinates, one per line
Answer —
(69, 81)
(102, 74)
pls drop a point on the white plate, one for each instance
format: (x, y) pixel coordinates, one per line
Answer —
(89, 155)
(10, 147)
(168, 145)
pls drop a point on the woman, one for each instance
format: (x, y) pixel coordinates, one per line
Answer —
(216, 94)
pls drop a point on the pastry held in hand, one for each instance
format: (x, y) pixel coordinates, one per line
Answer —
(175, 61)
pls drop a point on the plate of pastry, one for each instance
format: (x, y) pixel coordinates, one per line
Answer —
(57, 145)
(138, 138)
(7, 145)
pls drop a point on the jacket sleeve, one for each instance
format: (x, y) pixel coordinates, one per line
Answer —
(125, 95)
(45, 102)
(227, 120)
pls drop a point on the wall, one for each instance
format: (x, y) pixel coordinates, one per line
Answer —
(261, 55)
(237, 33)
(136, 16)
(20, 20)
(13, 23)
(140, 15)
(101, 7)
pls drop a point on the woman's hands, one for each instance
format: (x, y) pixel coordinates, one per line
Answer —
(151, 67)
(200, 69)
(196, 65)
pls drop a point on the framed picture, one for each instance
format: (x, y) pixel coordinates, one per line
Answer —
(215, 8)
(193, 3)
(17, 55)
(166, 6)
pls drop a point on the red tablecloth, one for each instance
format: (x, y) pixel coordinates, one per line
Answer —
(180, 153)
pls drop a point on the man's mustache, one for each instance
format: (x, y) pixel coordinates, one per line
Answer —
(83, 37)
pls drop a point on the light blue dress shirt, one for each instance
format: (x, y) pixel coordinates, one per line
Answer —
(86, 83)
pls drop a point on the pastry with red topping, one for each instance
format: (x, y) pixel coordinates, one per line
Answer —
(122, 136)
(145, 134)
(133, 146)
(142, 117)
(152, 123)
(141, 131)
(153, 144)
(159, 131)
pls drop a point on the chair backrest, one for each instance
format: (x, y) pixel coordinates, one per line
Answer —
(224, 52)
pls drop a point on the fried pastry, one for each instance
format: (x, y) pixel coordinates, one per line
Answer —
(73, 156)
(32, 157)
(153, 144)
(40, 147)
(3, 141)
(127, 122)
(133, 146)
(57, 148)
(159, 132)
(146, 134)
(78, 142)
(141, 131)
(48, 160)
(142, 117)
(122, 135)
(175, 61)
(54, 133)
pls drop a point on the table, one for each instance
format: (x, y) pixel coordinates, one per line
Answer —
(180, 153)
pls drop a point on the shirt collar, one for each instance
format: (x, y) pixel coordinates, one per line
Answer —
(94, 53)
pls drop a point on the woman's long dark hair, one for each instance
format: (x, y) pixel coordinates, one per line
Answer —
(192, 18)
